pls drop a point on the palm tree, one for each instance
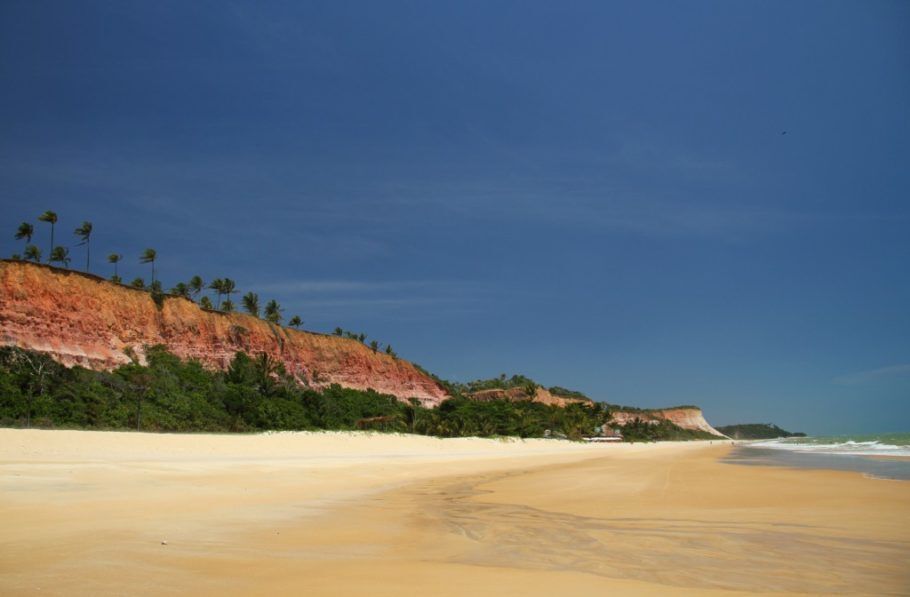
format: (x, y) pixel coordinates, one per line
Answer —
(295, 322)
(115, 258)
(206, 303)
(84, 232)
(338, 331)
(227, 306)
(25, 231)
(374, 345)
(229, 287)
(218, 286)
(149, 256)
(51, 218)
(60, 255)
(33, 253)
(138, 283)
(181, 289)
(273, 311)
(251, 303)
(196, 285)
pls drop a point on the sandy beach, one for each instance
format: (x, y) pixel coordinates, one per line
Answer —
(90, 513)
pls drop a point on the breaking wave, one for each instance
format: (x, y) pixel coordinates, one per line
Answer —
(892, 444)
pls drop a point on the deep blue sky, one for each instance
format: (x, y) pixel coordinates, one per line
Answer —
(598, 195)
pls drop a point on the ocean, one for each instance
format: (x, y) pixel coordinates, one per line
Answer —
(883, 456)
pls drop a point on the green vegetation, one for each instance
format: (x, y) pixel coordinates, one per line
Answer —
(560, 391)
(273, 311)
(295, 322)
(114, 258)
(638, 430)
(84, 233)
(33, 253)
(757, 431)
(60, 255)
(25, 231)
(49, 217)
(149, 256)
(251, 303)
(255, 393)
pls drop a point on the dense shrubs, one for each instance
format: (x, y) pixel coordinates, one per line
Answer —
(255, 393)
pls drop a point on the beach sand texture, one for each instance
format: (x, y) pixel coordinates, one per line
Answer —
(90, 513)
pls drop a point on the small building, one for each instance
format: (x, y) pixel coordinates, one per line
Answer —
(605, 433)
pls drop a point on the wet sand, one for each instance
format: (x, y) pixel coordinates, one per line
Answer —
(326, 514)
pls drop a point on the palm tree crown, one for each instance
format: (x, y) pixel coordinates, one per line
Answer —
(273, 311)
(84, 232)
(33, 253)
(51, 218)
(60, 255)
(149, 256)
(227, 287)
(196, 285)
(251, 303)
(115, 258)
(295, 321)
(218, 286)
(25, 231)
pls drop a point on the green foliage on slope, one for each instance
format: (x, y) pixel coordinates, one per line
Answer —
(254, 394)
(757, 431)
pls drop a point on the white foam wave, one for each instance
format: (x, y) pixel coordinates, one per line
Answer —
(850, 447)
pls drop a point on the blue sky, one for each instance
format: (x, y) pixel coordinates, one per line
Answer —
(595, 194)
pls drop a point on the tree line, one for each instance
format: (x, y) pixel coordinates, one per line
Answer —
(255, 393)
(223, 289)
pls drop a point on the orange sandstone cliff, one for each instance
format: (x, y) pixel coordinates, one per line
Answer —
(687, 417)
(80, 319)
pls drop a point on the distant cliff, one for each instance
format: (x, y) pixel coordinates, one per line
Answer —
(757, 431)
(687, 417)
(541, 394)
(80, 319)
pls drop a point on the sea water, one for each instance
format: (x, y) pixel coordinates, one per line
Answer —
(884, 456)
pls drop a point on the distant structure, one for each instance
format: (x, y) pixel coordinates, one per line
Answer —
(605, 433)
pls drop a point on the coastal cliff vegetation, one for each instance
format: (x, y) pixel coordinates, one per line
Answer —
(254, 394)
(757, 431)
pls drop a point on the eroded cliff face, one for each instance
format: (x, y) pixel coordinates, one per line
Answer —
(541, 395)
(84, 320)
(687, 418)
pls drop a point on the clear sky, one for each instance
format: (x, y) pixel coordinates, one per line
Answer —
(652, 202)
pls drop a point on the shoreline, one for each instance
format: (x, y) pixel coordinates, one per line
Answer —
(388, 514)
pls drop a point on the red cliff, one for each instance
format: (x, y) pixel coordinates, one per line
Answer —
(687, 417)
(84, 320)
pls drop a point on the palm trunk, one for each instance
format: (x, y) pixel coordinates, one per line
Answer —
(52, 243)
(88, 255)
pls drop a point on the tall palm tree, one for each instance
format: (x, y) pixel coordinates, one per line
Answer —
(218, 286)
(84, 232)
(115, 258)
(51, 218)
(196, 285)
(25, 231)
(149, 256)
(228, 288)
(273, 311)
(60, 255)
(295, 322)
(251, 303)
(33, 253)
